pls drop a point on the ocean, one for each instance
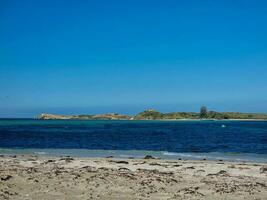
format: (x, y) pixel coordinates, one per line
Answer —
(213, 140)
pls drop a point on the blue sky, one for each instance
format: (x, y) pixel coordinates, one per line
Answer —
(124, 56)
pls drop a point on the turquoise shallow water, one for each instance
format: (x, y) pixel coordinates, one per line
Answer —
(228, 140)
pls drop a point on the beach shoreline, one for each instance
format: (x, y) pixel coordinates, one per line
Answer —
(137, 154)
(54, 177)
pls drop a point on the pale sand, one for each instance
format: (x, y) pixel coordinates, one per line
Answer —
(31, 177)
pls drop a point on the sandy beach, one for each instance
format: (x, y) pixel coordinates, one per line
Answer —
(38, 177)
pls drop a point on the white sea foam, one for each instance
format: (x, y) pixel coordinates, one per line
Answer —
(212, 156)
(40, 152)
(182, 154)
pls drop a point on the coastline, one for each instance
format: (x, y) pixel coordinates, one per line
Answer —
(137, 154)
(133, 120)
(182, 119)
(152, 114)
(201, 120)
(77, 119)
(46, 177)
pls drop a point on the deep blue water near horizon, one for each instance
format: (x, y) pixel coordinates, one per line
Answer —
(234, 140)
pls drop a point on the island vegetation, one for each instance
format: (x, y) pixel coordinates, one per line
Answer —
(151, 114)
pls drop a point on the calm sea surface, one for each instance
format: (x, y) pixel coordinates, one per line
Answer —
(231, 140)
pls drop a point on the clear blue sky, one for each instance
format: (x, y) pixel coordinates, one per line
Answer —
(123, 56)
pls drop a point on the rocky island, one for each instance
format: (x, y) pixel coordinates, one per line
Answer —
(156, 115)
(108, 116)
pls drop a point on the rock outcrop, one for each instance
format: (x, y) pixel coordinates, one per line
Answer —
(51, 116)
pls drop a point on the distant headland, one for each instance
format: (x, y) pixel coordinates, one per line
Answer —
(151, 114)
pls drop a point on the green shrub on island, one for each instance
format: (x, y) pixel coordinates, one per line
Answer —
(149, 114)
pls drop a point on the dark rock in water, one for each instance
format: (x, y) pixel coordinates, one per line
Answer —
(6, 177)
(179, 158)
(109, 157)
(149, 157)
(204, 159)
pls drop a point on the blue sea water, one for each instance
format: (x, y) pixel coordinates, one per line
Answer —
(228, 140)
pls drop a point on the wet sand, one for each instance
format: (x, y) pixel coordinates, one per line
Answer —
(39, 177)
